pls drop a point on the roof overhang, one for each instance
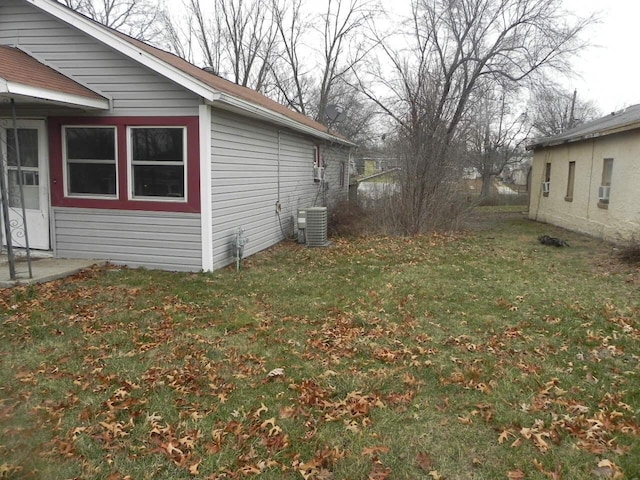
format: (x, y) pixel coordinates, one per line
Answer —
(234, 104)
(562, 140)
(22, 93)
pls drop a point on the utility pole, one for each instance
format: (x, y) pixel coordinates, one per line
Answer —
(573, 108)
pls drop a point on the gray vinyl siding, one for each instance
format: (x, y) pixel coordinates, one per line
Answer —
(244, 182)
(163, 240)
(134, 89)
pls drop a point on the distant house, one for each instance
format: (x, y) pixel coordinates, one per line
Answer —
(133, 155)
(587, 178)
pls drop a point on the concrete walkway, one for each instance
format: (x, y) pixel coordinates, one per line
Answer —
(44, 269)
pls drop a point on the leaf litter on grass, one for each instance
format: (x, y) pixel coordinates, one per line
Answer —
(436, 357)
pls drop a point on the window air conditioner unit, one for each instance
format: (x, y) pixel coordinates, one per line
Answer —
(318, 173)
(603, 192)
(545, 187)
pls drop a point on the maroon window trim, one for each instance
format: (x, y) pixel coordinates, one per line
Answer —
(123, 202)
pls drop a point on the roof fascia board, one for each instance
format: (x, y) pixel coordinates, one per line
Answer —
(105, 36)
(587, 136)
(53, 96)
(221, 100)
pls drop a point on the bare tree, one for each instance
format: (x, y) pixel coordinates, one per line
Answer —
(136, 18)
(554, 109)
(237, 39)
(496, 135)
(357, 122)
(179, 36)
(249, 36)
(273, 47)
(309, 83)
(456, 46)
(292, 76)
(344, 45)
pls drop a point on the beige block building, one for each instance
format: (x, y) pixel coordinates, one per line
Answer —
(588, 178)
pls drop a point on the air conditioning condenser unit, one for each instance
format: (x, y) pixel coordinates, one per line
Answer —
(316, 226)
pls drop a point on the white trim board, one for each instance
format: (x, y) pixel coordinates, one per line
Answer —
(21, 90)
(206, 208)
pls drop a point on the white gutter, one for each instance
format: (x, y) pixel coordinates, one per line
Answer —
(22, 90)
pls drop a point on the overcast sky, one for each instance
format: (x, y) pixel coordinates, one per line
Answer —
(609, 71)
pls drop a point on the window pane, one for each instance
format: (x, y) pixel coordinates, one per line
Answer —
(158, 181)
(157, 144)
(28, 144)
(92, 178)
(30, 190)
(607, 169)
(91, 143)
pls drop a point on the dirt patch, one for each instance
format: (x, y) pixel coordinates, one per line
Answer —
(610, 263)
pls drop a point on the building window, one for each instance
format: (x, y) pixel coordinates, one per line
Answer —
(342, 173)
(89, 155)
(605, 186)
(318, 169)
(157, 162)
(547, 179)
(570, 181)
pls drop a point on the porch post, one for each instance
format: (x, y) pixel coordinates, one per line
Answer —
(5, 216)
(20, 189)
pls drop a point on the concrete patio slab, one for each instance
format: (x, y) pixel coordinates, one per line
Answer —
(43, 269)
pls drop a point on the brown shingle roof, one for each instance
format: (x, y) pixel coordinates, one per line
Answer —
(226, 86)
(18, 67)
(625, 119)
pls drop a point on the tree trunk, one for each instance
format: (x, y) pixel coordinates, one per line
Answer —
(487, 181)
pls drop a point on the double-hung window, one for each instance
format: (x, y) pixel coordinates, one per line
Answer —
(90, 161)
(157, 158)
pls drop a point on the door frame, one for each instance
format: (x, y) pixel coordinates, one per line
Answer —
(40, 125)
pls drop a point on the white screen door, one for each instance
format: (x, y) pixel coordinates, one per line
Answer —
(35, 186)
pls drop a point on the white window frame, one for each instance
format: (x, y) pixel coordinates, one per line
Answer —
(318, 167)
(65, 165)
(130, 165)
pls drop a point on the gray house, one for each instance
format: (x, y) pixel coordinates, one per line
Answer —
(133, 155)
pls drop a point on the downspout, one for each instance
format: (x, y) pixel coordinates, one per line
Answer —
(278, 206)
